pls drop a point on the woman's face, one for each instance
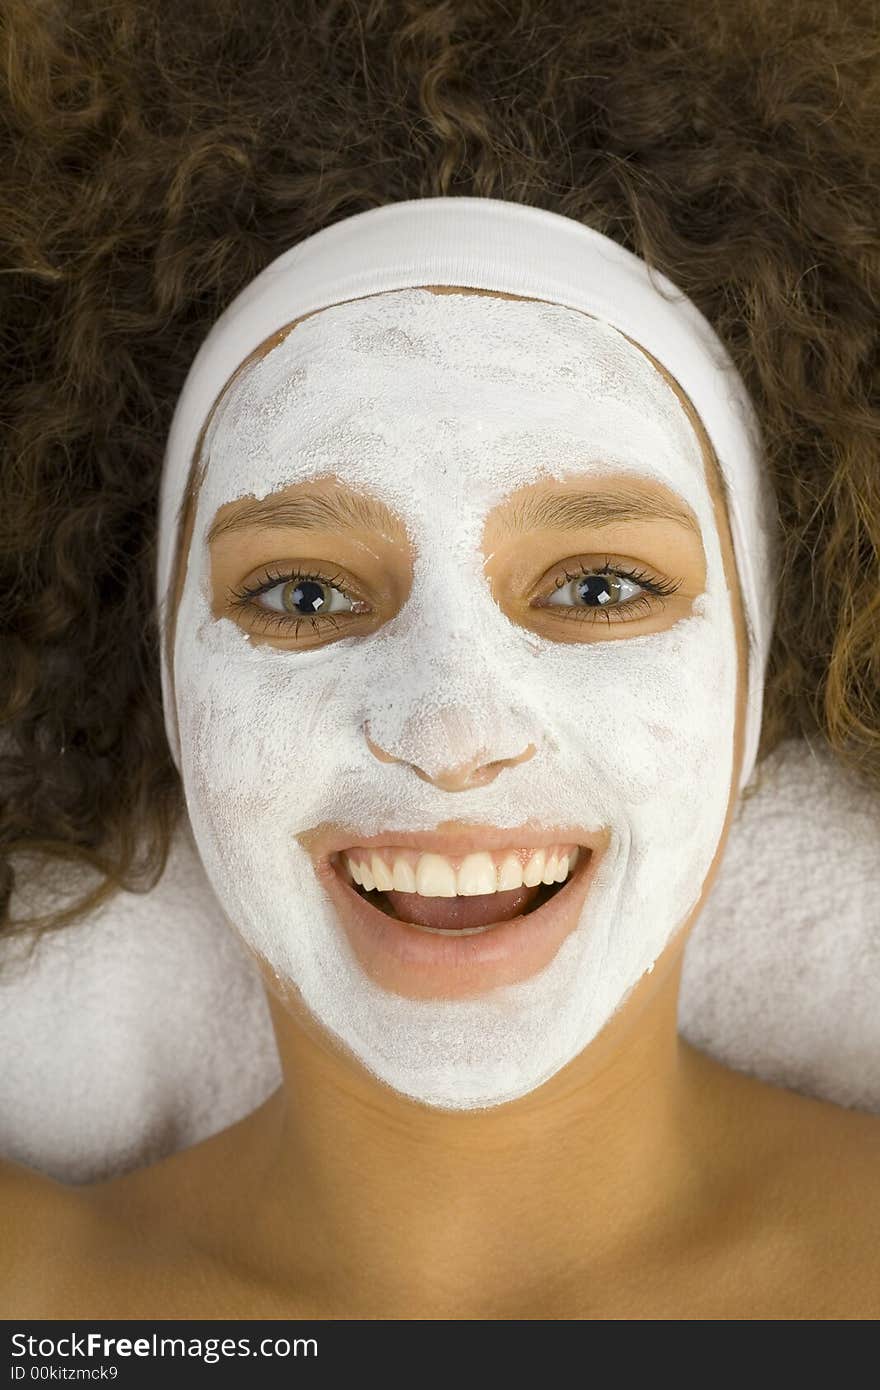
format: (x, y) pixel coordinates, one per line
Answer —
(460, 572)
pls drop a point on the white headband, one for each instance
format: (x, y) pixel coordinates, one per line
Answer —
(494, 244)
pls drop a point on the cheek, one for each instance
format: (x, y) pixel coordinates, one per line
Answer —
(654, 715)
(252, 719)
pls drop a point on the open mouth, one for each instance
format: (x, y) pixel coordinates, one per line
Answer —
(464, 915)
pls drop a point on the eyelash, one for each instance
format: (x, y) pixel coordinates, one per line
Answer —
(659, 589)
(243, 598)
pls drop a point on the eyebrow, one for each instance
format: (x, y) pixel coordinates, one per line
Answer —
(340, 511)
(575, 511)
(568, 511)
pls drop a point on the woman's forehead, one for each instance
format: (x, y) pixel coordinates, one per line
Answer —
(388, 296)
(280, 334)
(394, 376)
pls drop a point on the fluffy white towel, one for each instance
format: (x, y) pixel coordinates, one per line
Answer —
(146, 1029)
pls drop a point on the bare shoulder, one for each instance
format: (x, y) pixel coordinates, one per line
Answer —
(835, 1201)
(94, 1250)
(44, 1224)
(835, 1166)
(31, 1202)
(131, 1246)
(816, 1204)
(788, 1201)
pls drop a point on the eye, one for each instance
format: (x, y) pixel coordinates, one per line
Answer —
(297, 597)
(607, 591)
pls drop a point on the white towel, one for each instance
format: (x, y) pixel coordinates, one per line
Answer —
(146, 1029)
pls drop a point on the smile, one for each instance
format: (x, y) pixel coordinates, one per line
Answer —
(455, 912)
(458, 894)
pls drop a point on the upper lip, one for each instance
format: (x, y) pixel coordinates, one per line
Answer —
(322, 843)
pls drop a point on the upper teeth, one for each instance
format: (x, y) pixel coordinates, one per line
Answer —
(436, 876)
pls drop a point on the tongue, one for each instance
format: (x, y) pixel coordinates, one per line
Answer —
(454, 913)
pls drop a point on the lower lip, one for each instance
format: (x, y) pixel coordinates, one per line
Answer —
(424, 965)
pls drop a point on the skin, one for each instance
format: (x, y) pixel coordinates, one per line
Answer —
(643, 1181)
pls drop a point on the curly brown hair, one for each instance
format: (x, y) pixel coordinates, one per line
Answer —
(157, 156)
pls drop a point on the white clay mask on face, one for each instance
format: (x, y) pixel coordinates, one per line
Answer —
(442, 406)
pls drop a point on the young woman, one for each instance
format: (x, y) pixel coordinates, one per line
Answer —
(384, 669)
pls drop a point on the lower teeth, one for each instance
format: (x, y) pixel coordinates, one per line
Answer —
(379, 900)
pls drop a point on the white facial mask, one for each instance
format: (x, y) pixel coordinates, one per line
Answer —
(443, 405)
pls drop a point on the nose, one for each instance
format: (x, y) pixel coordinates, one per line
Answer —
(473, 772)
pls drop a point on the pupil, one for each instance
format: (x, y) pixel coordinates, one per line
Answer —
(595, 589)
(310, 595)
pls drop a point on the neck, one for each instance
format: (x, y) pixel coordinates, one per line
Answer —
(385, 1198)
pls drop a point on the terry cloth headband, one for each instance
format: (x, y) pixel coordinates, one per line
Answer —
(495, 244)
